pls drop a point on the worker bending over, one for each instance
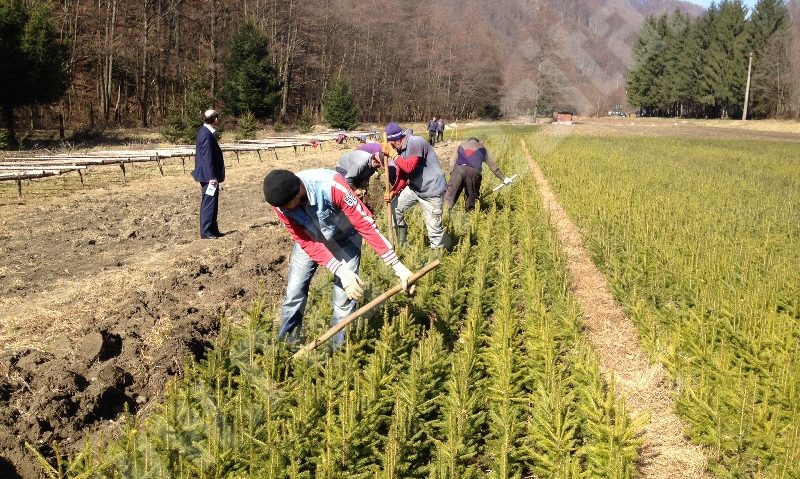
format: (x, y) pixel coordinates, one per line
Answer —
(327, 222)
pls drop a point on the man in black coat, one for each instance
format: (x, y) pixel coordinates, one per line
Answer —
(209, 171)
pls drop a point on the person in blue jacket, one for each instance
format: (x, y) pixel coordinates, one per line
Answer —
(209, 171)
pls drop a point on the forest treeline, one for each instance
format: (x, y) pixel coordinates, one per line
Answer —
(88, 65)
(697, 67)
(134, 62)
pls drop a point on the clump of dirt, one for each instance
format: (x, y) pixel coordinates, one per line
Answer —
(61, 395)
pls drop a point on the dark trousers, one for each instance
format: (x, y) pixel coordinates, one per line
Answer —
(463, 177)
(209, 207)
(432, 137)
(440, 135)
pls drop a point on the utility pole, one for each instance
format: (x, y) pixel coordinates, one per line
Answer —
(747, 89)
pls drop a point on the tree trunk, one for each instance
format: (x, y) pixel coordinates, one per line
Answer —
(144, 84)
(8, 114)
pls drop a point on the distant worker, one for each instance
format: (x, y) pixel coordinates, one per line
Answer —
(420, 179)
(440, 130)
(209, 171)
(433, 126)
(466, 173)
(327, 222)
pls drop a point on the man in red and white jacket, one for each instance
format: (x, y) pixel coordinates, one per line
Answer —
(327, 221)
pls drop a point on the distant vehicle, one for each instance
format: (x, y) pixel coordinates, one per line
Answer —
(617, 113)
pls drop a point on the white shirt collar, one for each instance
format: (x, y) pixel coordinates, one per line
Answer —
(210, 128)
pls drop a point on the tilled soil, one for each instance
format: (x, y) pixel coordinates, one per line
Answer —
(106, 292)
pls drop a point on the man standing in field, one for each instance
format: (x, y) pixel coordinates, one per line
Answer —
(420, 179)
(466, 173)
(440, 130)
(433, 125)
(327, 221)
(209, 171)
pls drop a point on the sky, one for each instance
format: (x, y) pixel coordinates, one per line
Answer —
(706, 3)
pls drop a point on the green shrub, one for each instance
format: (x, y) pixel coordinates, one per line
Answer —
(279, 127)
(305, 124)
(246, 126)
(340, 109)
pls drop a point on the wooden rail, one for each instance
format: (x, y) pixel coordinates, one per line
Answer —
(41, 166)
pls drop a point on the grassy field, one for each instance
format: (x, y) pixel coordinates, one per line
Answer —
(700, 240)
(483, 373)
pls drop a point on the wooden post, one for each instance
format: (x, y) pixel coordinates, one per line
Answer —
(237, 155)
(387, 183)
(389, 213)
(160, 166)
(363, 310)
(183, 163)
(19, 187)
(275, 150)
(80, 172)
(747, 89)
(259, 155)
(122, 166)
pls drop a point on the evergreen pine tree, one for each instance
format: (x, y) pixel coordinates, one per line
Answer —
(769, 41)
(340, 110)
(252, 81)
(647, 66)
(183, 123)
(32, 67)
(689, 70)
(673, 30)
(725, 70)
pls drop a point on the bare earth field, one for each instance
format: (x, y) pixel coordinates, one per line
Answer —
(669, 127)
(106, 291)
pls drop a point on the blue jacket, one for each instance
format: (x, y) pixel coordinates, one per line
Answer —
(208, 162)
(433, 125)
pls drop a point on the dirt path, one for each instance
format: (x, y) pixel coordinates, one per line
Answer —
(666, 452)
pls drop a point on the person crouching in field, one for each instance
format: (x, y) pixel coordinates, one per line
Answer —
(327, 222)
(420, 179)
(358, 166)
(466, 174)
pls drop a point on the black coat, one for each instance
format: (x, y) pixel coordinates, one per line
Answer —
(208, 162)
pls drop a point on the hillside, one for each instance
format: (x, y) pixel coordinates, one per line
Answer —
(581, 47)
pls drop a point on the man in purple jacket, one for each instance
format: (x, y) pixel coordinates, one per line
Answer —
(433, 127)
(466, 173)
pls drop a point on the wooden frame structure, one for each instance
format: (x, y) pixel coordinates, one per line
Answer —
(19, 168)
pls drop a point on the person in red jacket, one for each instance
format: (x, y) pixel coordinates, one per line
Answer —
(420, 180)
(327, 222)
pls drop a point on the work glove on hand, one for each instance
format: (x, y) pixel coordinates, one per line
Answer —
(351, 282)
(404, 274)
(388, 150)
(507, 181)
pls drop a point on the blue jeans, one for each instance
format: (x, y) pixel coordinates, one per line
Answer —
(301, 270)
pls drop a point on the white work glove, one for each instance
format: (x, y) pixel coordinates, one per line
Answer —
(351, 282)
(404, 274)
(507, 181)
